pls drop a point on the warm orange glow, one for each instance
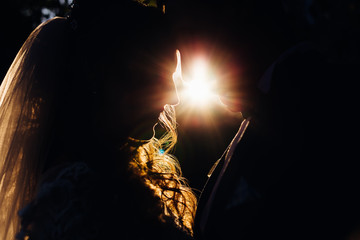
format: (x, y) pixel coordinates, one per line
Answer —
(198, 101)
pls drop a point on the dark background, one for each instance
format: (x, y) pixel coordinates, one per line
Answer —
(17, 20)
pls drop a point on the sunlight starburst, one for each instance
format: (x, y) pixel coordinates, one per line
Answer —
(199, 86)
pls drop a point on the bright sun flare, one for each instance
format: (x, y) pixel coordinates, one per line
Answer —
(200, 84)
